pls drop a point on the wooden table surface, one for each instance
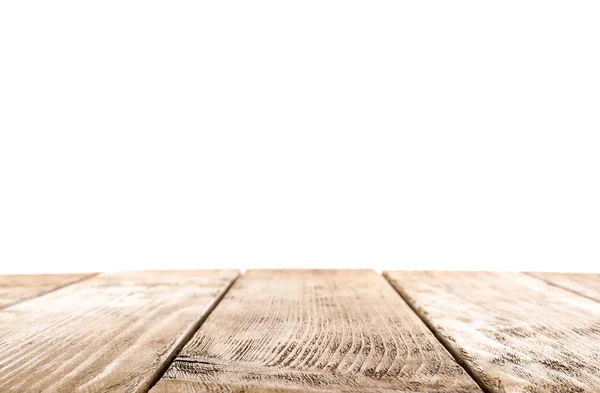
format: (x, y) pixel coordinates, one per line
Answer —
(292, 331)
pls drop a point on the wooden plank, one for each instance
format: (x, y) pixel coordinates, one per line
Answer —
(111, 333)
(584, 284)
(15, 288)
(513, 333)
(314, 331)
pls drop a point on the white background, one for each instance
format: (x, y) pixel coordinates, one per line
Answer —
(382, 134)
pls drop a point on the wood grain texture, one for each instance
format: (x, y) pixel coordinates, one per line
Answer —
(513, 332)
(584, 284)
(15, 288)
(111, 333)
(314, 331)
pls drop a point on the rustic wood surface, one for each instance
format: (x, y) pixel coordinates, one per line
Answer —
(110, 333)
(513, 332)
(314, 331)
(587, 285)
(18, 287)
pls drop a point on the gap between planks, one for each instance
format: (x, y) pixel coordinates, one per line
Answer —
(547, 278)
(187, 336)
(84, 277)
(518, 334)
(82, 320)
(439, 337)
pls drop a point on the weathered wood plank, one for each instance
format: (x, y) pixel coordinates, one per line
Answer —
(514, 333)
(15, 288)
(314, 331)
(111, 333)
(584, 284)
